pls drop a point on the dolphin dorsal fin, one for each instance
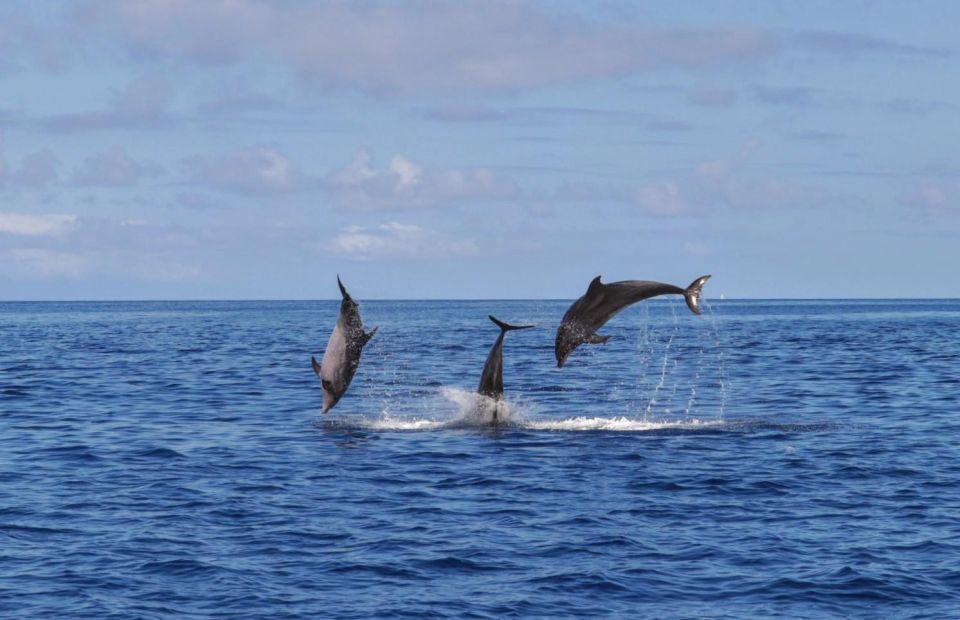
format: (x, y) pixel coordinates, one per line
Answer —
(595, 286)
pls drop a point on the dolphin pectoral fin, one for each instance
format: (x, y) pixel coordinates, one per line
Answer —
(367, 336)
(596, 338)
(315, 364)
(693, 292)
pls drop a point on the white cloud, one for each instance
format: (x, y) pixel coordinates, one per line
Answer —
(732, 182)
(697, 249)
(661, 199)
(56, 245)
(144, 102)
(409, 48)
(855, 45)
(35, 225)
(933, 195)
(404, 184)
(719, 175)
(394, 240)
(407, 172)
(21, 38)
(113, 168)
(36, 170)
(43, 262)
(259, 169)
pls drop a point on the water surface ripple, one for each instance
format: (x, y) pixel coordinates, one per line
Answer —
(769, 458)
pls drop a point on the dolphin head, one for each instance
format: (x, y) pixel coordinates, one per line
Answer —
(329, 400)
(568, 339)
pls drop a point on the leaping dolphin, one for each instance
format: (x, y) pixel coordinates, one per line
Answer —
(602, 301)
(342, 356)
(491, 381)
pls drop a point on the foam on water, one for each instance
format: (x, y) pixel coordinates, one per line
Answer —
(619, 424)
(472, 410)
(456, 408)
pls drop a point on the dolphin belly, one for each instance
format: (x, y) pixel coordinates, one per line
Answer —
(332, 368)
(342, 355)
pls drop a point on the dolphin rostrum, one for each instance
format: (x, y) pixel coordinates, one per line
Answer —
(491, 381)
(602, 301)
(342, 356)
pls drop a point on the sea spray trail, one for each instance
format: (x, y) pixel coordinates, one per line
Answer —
(715, 329)
(168, 460)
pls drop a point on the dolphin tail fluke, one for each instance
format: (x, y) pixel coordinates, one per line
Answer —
(343, 289)
(367, 336)
(506, 326)
(692, 294)
(315, 364)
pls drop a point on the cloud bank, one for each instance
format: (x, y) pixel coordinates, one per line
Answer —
(409, 48)
(394, 240)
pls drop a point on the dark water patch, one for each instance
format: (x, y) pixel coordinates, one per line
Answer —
(14, 391)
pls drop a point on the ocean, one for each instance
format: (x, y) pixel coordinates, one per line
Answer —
(766, 459)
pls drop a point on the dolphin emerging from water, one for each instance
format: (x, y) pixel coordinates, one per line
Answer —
(342, 356)
(491, 381)
(602, 301)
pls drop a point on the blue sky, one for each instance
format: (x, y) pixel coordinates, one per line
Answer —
(245, 149)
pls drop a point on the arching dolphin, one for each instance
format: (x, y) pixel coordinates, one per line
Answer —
(491, 381)
(342, 356)
(602, 301)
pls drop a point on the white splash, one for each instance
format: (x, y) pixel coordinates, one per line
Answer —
(620, 424)
(472, 410)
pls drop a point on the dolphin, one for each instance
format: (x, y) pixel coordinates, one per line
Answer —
(342, 356)
(602, 301)
(491, 380)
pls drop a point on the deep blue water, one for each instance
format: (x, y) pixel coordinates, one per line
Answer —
(769, 458)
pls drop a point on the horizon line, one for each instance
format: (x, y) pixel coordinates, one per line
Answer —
(394, 299)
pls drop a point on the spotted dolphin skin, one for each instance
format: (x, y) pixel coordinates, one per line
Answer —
(342, 356)
(602, 301)
(491, 380)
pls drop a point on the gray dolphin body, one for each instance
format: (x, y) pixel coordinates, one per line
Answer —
(342, 356)
(491, 380)
(602, 301)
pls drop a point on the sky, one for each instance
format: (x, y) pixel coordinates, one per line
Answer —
(243, 149)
